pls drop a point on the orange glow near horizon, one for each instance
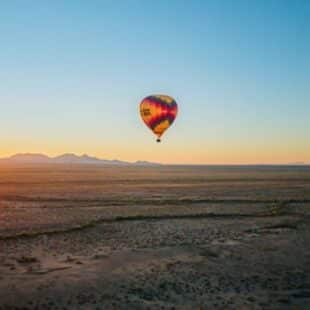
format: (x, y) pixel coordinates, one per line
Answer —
(171, 152)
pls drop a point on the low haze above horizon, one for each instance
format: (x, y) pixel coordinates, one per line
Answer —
(74, 72)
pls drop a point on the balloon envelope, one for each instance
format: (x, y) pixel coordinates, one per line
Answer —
(158, 113)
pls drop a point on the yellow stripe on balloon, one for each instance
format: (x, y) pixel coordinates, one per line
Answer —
(166, 99)
(161, 128)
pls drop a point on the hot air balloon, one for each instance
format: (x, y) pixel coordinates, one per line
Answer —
(158, 113)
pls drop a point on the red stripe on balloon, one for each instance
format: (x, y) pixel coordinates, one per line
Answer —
(164, 113)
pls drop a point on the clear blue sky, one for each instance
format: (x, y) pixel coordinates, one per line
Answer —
(72, 74)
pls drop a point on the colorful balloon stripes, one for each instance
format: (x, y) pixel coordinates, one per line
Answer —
(158, 113)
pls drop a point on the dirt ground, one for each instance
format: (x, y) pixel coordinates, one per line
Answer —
(208, 239)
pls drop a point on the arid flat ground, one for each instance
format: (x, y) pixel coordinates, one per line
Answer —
(90, 237)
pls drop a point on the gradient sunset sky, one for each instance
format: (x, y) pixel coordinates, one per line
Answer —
(72, 75)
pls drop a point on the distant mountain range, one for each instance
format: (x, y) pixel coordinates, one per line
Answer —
(30, 158)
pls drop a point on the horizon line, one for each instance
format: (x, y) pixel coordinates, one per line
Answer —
(10, 157)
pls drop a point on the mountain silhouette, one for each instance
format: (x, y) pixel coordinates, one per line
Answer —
(69, 158)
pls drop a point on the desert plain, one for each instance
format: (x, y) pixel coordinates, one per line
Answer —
(154, 237)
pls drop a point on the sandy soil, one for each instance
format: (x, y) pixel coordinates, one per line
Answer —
(194, 251)
(175, 263)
